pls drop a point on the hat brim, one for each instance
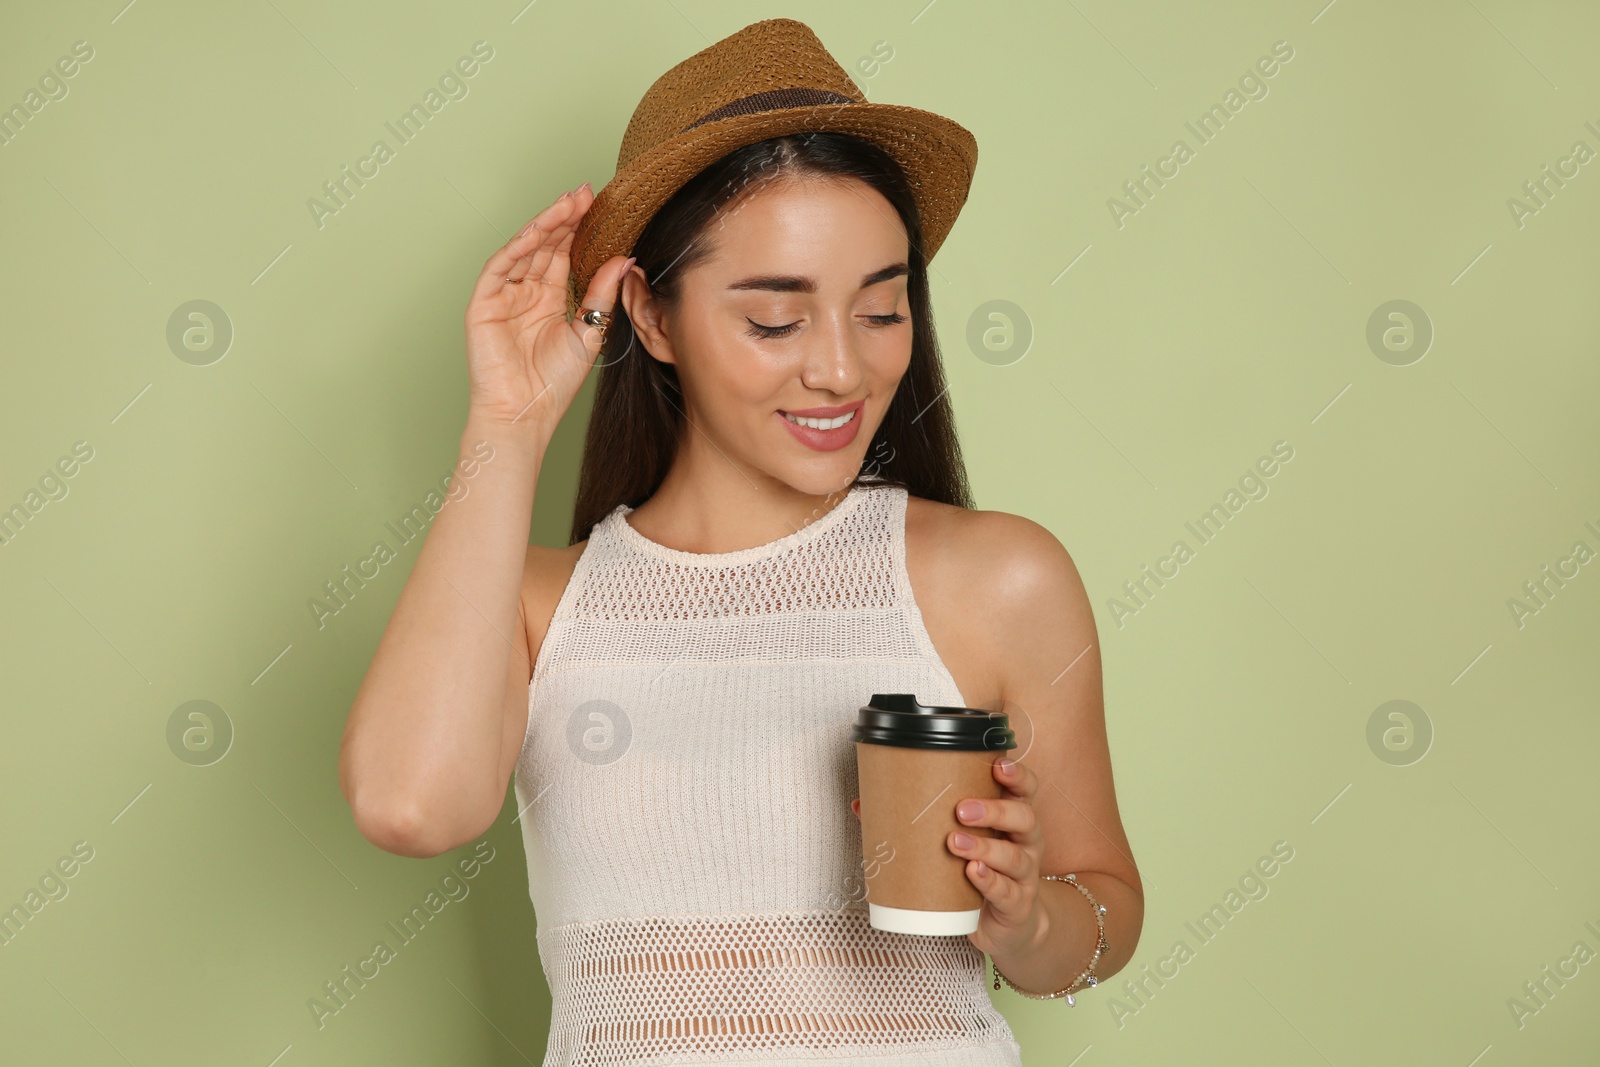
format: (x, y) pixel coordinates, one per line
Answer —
(938, 155)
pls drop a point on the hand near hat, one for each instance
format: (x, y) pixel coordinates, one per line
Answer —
(525, 361)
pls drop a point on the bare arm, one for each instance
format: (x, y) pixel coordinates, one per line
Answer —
(423, 746)
(1063, 798)
(432, 736)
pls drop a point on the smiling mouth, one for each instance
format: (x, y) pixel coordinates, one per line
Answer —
(822, 424)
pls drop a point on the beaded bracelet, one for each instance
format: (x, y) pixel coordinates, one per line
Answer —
(1087, 976)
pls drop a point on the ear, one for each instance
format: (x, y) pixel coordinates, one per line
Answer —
(647, 314)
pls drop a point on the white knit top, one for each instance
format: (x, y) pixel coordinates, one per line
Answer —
(684, 789)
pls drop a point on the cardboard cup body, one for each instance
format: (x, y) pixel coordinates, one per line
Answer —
(915, 884)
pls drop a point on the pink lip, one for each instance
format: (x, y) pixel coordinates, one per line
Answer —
(825, 440)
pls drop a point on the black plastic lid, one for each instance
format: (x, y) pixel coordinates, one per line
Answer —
(897, 719)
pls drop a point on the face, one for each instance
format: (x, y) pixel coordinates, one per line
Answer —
(800, 307)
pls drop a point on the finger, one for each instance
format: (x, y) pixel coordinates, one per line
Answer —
(1008, 816)
(546, 226)
(601, 296)
(1000, 853)
(543, 227)
(549, 244)
(1016, 777)
(551, 261)
(1007, 896)
(855, 806)
(556, 249)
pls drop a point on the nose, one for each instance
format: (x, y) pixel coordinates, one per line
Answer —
(831, 362)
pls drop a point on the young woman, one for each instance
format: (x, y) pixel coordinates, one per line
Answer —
(772, 524)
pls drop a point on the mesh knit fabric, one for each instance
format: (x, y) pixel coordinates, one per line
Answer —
(685, 788)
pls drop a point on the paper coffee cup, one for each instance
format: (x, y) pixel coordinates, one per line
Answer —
(915, 763)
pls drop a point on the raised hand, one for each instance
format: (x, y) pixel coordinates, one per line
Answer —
(525, 361)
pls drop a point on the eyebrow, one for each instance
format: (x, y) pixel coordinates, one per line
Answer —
(794, 283)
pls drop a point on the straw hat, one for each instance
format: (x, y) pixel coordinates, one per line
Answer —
(769, 79)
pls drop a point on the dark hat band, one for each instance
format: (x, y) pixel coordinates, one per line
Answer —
(770, 100)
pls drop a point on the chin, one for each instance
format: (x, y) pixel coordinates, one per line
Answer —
(829, 476)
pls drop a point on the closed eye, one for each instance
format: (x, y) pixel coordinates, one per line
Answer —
(758, 330)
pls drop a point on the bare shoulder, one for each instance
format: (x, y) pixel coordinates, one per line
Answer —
(1001, 584)
(545, 574)
(1010, 556)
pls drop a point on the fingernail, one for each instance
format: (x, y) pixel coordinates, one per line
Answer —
(983, 869)
(969, 810)
(1007, 767)
(962, 841)
(585, 185)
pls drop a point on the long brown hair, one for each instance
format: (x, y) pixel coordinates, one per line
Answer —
(638, 405)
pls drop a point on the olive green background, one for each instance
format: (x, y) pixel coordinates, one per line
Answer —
(1137, 371)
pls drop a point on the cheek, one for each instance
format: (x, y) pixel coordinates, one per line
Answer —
(737, 381)
(890, 358)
